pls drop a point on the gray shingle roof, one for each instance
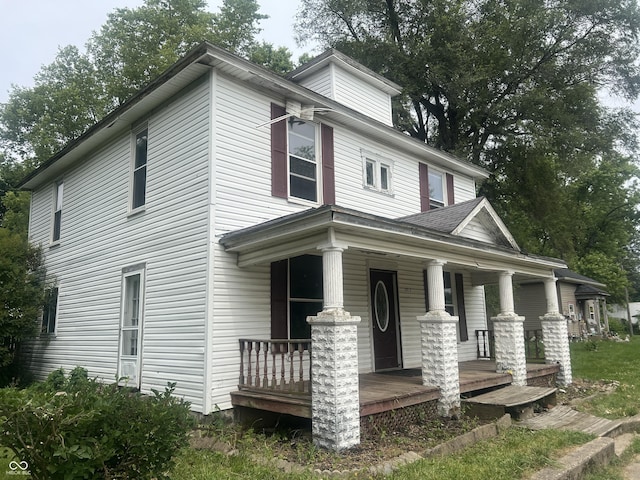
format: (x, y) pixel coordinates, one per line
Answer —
(444, 219)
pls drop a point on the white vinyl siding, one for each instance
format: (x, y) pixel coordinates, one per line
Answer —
(170, 236)
(344, 87)
(477, 230)
(361, 96)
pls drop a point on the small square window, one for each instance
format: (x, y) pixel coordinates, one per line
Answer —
(377, 173)
(384, 177)
(370, 176)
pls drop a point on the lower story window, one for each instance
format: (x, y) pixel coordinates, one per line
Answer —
(131, 327)
(296, 286)
(50, 311)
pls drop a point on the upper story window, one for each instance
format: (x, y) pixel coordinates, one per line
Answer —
(139, 175)
(437, 189)
(377, 172)
(302, 160)
(303, 165)
(50, 311)
(57, 216)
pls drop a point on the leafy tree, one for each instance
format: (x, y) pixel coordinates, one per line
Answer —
(135, 45)
(275, 59)
(512, 85)
(131, 49)
(21, 292)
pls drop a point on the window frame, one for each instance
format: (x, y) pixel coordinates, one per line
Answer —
(134, 169)
(128, 273)
(378, 165)
(58, 199)
(302, 300)
(433, 202)
(46, 322)
(316, 161)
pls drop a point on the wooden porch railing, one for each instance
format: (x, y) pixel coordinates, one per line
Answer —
(275, 366)
(533, 345)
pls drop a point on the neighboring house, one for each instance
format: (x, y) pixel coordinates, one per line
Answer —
(621, 312)
(582, 300)
(225, 220)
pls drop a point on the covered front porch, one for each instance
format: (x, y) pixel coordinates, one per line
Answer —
(281, 383)
(398, 304)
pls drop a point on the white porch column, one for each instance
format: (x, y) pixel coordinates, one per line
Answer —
(508, 332)
(335, 399)
(555, 334)
(439, 344)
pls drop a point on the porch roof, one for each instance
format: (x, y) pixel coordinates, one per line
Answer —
(307, 231)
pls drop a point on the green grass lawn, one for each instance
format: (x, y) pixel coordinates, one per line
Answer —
(514, 454)
(614, 361)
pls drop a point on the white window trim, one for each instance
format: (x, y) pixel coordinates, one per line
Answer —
(132, 167)
(318, 162)
(130, 272)
(378, 162)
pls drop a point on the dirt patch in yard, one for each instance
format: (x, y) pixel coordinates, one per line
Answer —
(296, 447)
(582, 390)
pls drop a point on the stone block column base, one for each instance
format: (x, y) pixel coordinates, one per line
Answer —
(335, 399)
(508, 332)
(555, 334)
(440, 358)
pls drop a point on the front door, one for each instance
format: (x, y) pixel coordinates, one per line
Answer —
(384, 302)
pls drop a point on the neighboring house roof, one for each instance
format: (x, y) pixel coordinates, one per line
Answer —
(454, 219)
(569, 276)
(200, 60)
(589, 291)
(275, 239)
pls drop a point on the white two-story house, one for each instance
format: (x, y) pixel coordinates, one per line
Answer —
(274, 243)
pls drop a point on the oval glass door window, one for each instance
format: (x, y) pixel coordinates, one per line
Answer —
(381, 303)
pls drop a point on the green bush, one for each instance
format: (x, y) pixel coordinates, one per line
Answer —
(619, 326)
(75, 427)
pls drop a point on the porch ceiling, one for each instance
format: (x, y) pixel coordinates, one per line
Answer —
(306, 231)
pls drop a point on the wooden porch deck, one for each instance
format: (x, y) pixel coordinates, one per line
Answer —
(383, 391)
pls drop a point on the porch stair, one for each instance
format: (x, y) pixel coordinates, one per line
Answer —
(518, 401)
(563, 417)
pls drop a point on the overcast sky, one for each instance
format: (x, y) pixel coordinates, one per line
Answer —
(32, 30)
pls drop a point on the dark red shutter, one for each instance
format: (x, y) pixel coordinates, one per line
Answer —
(424, 187)
(462, 314)
(328, 170)
(450, 198)
(278, 153)
(279, 273)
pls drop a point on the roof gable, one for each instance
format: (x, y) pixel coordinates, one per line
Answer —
(475, 219)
